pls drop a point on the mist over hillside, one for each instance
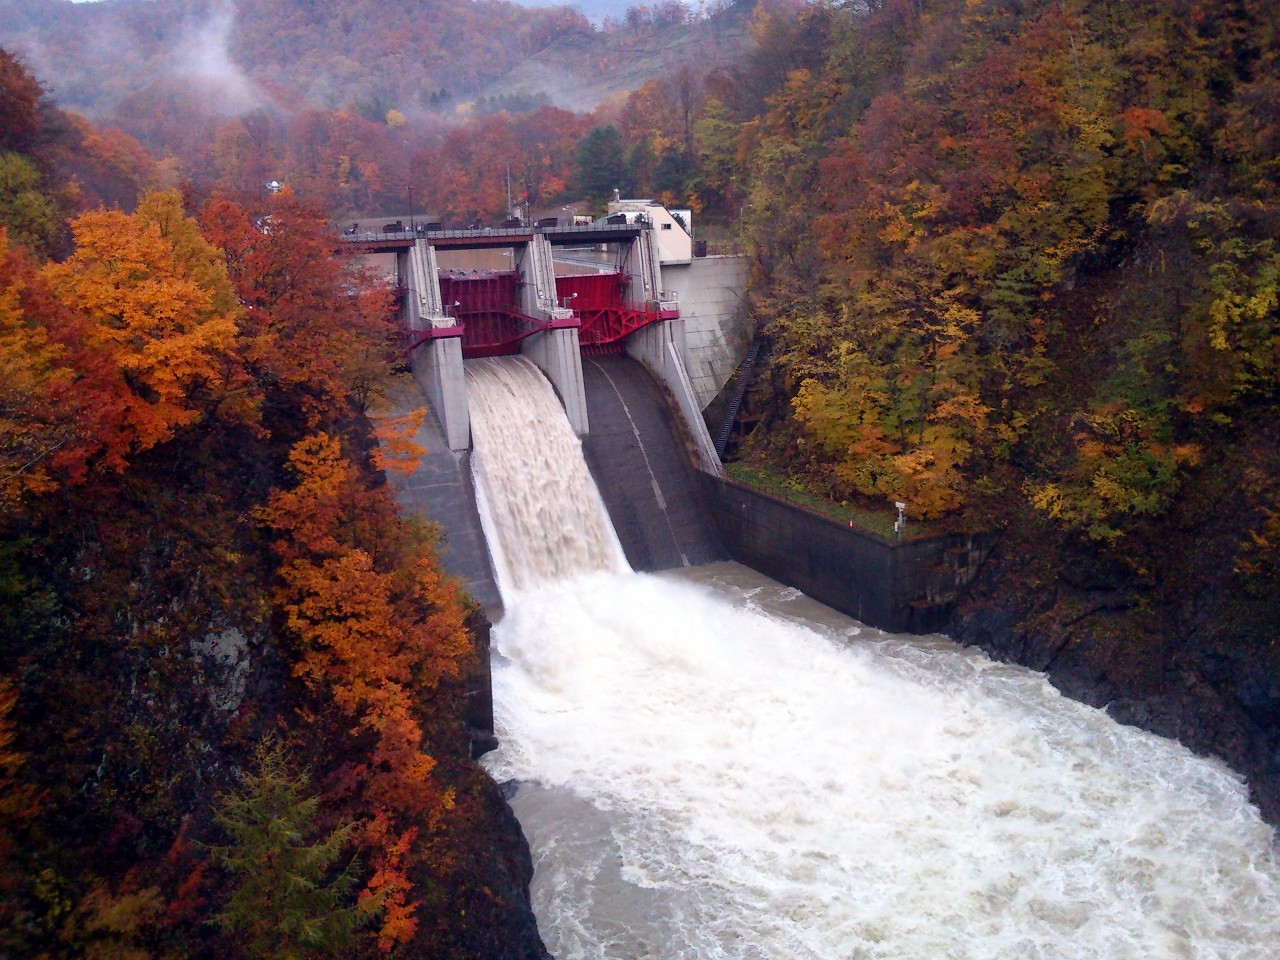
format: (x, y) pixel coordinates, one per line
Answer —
(235, 56)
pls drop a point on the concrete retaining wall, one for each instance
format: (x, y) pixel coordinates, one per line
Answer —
(716, 332)
(903, 586)
(440, 490)
(437, 364)
(658, 347)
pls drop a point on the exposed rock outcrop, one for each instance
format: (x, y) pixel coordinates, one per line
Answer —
(1174, 645)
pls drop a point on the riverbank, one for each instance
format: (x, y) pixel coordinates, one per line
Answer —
(1183, 651)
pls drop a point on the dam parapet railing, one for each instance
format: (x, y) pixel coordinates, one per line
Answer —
(904, 586)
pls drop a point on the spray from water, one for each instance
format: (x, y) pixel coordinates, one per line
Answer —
(709, 776)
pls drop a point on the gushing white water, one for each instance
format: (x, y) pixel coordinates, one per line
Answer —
(541, 512)
(709, 775)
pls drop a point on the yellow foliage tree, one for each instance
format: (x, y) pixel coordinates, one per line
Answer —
(159, 304)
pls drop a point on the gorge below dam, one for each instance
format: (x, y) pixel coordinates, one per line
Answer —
(708, 765)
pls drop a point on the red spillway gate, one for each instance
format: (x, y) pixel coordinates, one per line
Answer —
(487, 305)
(607, 318)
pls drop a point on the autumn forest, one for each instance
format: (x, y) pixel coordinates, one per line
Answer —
(1016, 264)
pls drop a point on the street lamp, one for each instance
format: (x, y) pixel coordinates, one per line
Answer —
(411, 226)
(564, 301)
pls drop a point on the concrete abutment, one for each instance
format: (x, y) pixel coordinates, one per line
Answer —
(906, 586)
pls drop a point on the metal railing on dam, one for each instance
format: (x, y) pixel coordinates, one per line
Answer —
(405, 233)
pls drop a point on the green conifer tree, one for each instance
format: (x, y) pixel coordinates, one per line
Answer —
(291, 900)
(601, 164)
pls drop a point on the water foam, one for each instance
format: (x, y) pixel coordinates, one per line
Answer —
(718, 779)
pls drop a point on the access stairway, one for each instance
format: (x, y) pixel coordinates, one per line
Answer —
(743, 381)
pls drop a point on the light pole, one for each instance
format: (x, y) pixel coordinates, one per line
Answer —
(411, 226)
(565, 301)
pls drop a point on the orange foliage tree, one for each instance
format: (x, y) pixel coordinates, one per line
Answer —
(373, 628)
(158, 303)
(111, 169)
(40, 421)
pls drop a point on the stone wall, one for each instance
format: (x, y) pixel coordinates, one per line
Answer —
(904, 586)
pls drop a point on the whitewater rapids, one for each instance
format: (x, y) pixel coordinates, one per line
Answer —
(713, 766)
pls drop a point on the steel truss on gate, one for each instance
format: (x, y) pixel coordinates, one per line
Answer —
(607, 318)
(486, 307)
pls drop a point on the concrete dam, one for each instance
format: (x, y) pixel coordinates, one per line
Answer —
(636, 452)
(635, 334)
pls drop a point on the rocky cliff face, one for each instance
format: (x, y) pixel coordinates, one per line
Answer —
(484, 912)
(1171, 638)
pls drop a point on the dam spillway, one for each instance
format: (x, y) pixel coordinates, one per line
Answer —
(711, 767)
(635, 453)
(551, 526)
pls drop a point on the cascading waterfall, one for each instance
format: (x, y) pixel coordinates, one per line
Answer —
(712, 766)
(547, 522)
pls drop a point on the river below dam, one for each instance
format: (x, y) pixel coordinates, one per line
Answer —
(711, 765)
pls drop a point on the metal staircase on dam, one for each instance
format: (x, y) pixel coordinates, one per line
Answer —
(743, 375)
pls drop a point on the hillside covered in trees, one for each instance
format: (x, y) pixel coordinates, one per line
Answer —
(352, 105)
(232, 679)
(103, 59)
(1016, 265)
